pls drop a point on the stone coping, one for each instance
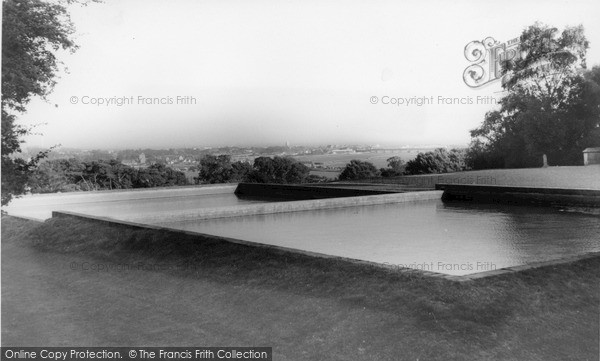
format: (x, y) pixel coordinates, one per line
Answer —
(288, 206)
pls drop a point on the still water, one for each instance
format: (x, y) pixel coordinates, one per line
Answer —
(451, 238)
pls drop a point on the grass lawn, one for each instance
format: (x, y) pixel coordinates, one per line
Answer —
(321, 309)
(587, 177)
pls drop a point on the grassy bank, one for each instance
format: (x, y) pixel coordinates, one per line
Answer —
(352, 311)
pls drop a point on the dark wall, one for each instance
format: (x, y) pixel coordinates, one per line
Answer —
(520, 195)
(298, 192)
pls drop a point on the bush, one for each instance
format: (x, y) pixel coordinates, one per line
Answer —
(395, 167)
(438, 161)
(215, 169)
(283, 170)
(65, 175)
(357, 169)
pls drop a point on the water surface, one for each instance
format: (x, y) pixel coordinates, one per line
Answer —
(450, 238)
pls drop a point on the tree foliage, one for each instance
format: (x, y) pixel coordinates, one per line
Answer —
(220, 169)
(283, 170)
(395, 167)
(215, 169)
(358, 169)
(158, 175)
(438, 161)
(65, 175)
(56, 176)
(32, 31)
(552, 104)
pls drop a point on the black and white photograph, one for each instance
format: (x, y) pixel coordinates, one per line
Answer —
(300, 180)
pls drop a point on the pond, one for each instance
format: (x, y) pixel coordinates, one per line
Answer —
(453, 238)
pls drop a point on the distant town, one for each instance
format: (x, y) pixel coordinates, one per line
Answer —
(326, 160)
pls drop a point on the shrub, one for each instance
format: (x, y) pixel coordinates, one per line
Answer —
(358, 169)
(437, 161)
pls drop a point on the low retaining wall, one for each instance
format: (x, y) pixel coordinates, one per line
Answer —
(291, 206)
(520, 195)
(300, 192)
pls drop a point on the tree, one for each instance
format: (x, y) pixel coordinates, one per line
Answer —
(215, 169)
(288, 170)
(32, 31)
(438, 161)
(61, 175)
(159, 175)
(220, 169)
(240, 170)
(552, 104)
(395, 167)
(64, 175)
(284, 170)
(396, 163)
(479, 156)
(358, 169)
(263, 171)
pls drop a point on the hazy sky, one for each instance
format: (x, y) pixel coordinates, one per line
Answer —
(266, 72)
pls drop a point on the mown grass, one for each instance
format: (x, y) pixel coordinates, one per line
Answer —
(585, 177)
(549, 313)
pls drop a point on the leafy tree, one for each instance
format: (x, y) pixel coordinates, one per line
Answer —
(358, 169)
(395, 167)
(61, 175)
(479, 156)
(263, 171)
(32, 31)
(220, 169)
(64, 175)
(438, 161)
(277, 170)
(240, 170)
(159, 175)
(103, 174)
(215, 169)
(288, 170)
(552, 104)
(396, 163)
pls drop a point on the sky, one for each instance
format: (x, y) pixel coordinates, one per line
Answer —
(198, 73)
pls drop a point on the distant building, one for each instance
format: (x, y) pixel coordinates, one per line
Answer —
(591, 156)
(142, 158)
